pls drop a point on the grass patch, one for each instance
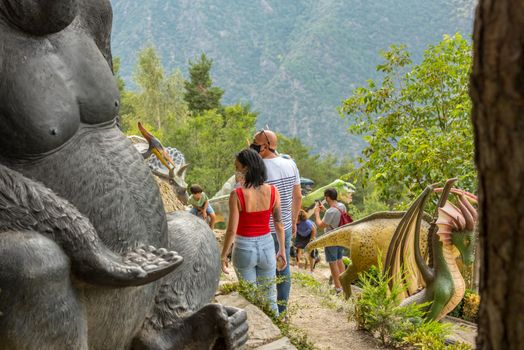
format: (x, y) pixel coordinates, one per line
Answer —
(327, 296)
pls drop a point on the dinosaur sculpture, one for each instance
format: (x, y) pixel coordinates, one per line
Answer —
(167, 163)
(365, 238)
(343, 189)
(442, 282)
(86, 249)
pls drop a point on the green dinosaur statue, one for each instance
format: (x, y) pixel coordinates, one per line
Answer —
(343, 189)
(443, 284)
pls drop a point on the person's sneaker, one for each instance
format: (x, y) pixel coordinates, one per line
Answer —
(338, 290)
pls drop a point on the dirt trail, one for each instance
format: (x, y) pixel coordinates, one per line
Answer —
(325, 319)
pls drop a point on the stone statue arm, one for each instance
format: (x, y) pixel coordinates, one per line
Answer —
(28, 205)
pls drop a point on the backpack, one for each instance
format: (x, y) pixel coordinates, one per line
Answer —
(345, 218)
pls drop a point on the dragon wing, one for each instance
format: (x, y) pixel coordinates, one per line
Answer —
(404, 259)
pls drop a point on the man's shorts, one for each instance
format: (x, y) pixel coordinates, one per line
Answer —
(209, 210)
(333, 253)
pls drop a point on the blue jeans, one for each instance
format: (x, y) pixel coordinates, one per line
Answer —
(254, 261)
(284, 286)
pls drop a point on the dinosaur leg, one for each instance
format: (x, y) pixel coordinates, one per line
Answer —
(441, 298)
(182, 317)
(346, 279)
(39, 308)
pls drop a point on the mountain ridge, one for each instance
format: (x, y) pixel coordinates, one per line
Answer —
(294, 61)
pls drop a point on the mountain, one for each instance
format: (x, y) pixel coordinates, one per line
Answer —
(293, 60)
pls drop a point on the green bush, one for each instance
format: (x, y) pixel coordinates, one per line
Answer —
(378, 311)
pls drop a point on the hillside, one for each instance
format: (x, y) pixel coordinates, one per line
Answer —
(294, 60)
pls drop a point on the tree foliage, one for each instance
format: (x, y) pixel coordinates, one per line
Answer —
(200, 94)
(159, 103)
(211, 137)
(416, 121)
(321, 169)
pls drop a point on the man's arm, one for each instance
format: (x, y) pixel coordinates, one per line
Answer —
(321, 223)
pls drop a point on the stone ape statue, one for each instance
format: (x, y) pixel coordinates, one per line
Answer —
(86, 250)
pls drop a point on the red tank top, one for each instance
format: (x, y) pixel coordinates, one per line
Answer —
(255, 223)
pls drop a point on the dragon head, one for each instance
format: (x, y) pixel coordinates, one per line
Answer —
(457, 224)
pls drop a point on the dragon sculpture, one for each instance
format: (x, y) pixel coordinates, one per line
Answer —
(405, 236)
(86, 250)
(442, 283)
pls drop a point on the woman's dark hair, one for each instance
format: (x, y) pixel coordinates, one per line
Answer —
(256, 173)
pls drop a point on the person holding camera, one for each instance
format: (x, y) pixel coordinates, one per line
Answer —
(330, 221)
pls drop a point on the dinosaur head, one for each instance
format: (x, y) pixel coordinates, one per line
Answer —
(465, 243)
(457, 224)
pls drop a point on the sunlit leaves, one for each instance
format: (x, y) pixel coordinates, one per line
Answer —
(416, 121)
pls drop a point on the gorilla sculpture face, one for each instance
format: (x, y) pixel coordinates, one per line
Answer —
(39, 17)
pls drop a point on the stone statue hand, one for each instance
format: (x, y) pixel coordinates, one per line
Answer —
(221, 327)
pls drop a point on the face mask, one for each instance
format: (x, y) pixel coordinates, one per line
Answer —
(256, 148)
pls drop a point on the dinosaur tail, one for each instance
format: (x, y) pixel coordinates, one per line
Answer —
(28, 205)
(339, 237)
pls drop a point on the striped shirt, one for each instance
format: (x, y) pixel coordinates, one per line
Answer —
(283, 173)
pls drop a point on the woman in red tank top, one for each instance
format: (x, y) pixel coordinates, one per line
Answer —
(250, 207)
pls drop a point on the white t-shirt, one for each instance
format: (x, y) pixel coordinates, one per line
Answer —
(283, 173)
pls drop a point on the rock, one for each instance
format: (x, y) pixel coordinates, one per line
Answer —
(261, 328)
(169, 198)
(462, 331)
(281, 344)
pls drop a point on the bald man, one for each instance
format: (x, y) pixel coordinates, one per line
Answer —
(283, 173)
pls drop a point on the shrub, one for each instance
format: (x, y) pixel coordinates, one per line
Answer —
(378, 311)
(468, 307)
(471, 306)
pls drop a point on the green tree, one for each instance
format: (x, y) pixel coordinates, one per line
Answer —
(200, 94)
(417, 121)
(210, 140)
(159, 104)
(321, 169)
